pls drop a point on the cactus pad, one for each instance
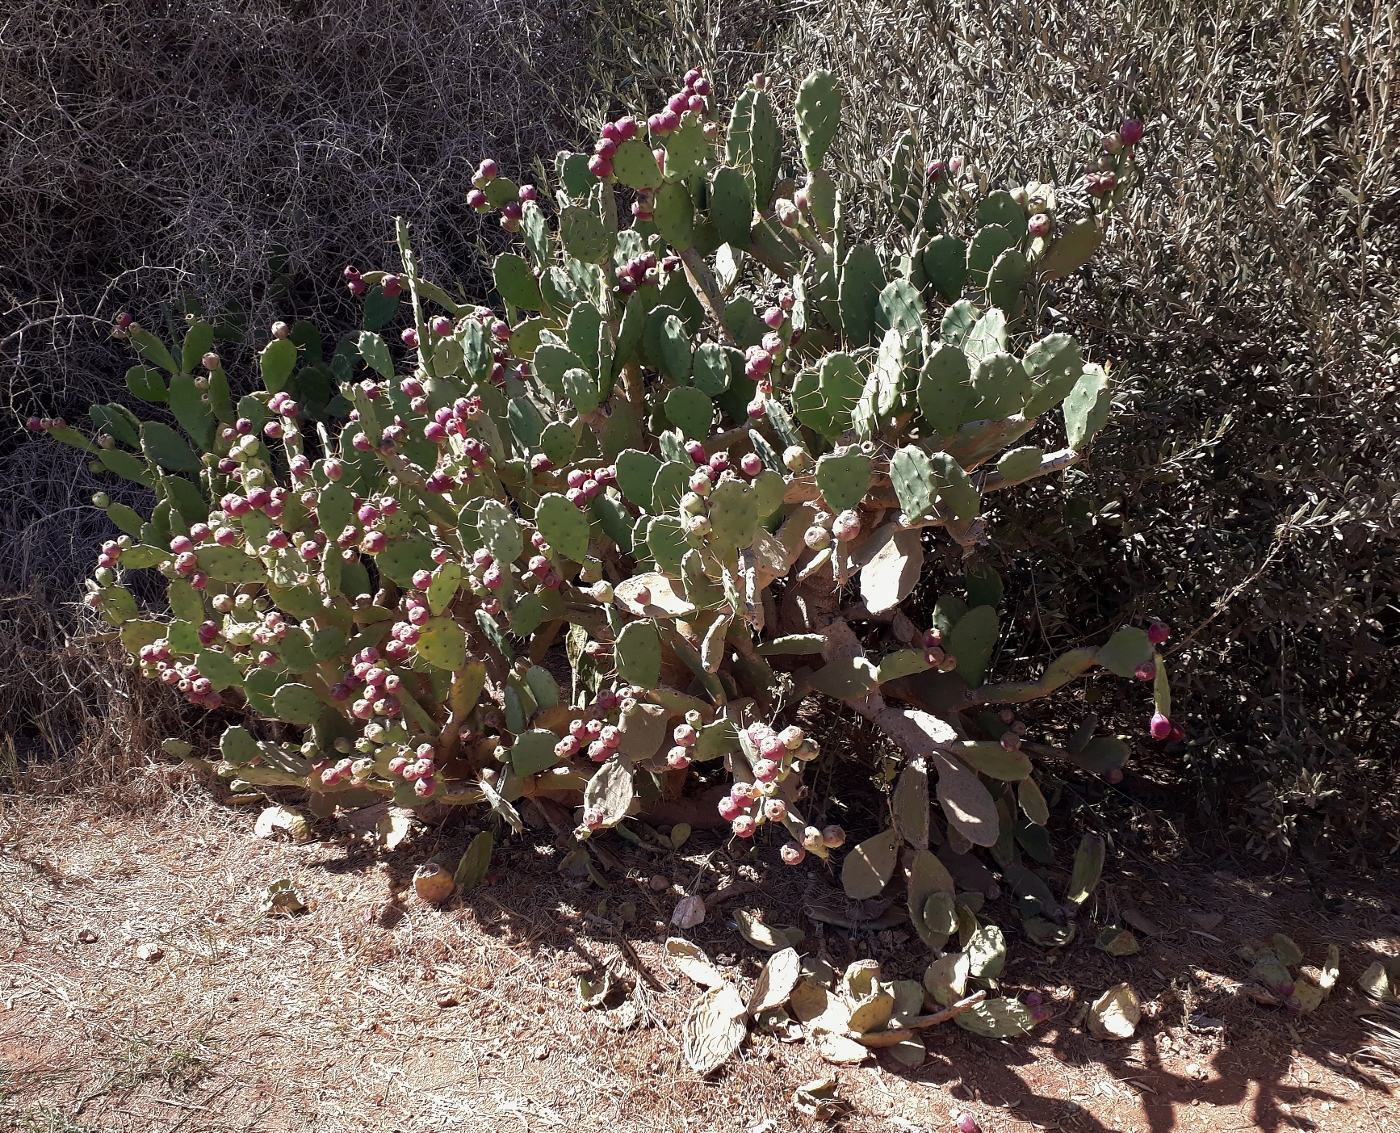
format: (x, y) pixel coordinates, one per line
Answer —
(637, 653)
(844, 478)
(731, 205)
(442, 643)
(635, 166)
(1086, 408)
(230, 564)
(733, 515)
(674, 215)
(583, 235)
(818, 116)
(298, 704)
(563, 526)
(690, 410)
(911, 473)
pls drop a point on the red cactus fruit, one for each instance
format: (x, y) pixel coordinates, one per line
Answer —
(1161, 727)
(1158, 632)
(1130, 130)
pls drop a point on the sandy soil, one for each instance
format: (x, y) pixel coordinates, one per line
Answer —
(142, 989)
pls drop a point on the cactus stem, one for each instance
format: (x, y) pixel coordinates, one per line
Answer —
(702, 282)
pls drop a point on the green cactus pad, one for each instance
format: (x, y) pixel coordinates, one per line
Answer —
(533, 752)
(635, 166)
(610, 792)
(147, 384)
(516, 282)
(687, 149)
(581, 389)
(442, 643)
(669, 485)
(906, 181)
(887, 375)
(637, 653)
(328, 642)
(614, 519)
(551, 362)
(574, 175)
(117, 422)
(972, 640)
(861, 280)
(1128, 648)
(731, 205)
(375, 352)
(152, 349)
(839, 383)
(754, 142)
(563, 526)
(446, 581)
(220, 668)
(1070, 250)
(818, 116)
(162, 445)
(238, 746)
(822, 199)
(900, 308)
(844, 478)
(1054, 364)
(987, 337)
(404, 557)
(984, 248)
(277, 361)
(1007, 280)
(712, 366)
(1020, 463)
(690, 410)
(768, 489)
(733, 515)
(230, 564)
(1086, 408)
(192, 409)
(295, 650)
(584, 235)
(673, 348)
(945, 389)
(297, 704)
(559, 442)
(956, 492)
(911, 473)
(674, 215)
(1000, 387)
(636, 473)
(957, 323)
(1000, 207)
(667, 543)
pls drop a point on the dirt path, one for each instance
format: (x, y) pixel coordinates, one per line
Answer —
(362, 1015)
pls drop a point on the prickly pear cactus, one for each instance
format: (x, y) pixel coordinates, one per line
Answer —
(700, 457)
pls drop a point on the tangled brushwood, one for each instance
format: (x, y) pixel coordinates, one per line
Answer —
(702, 455)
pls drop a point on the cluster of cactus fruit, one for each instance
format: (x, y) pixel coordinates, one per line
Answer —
(597, 544)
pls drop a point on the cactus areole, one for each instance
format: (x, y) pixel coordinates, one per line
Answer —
(598, 542)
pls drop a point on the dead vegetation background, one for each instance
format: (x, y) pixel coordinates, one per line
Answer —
(231, 156)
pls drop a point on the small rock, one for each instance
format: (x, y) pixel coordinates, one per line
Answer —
(85, 936)
(150, 953)
(447, 999)
(660, 884)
